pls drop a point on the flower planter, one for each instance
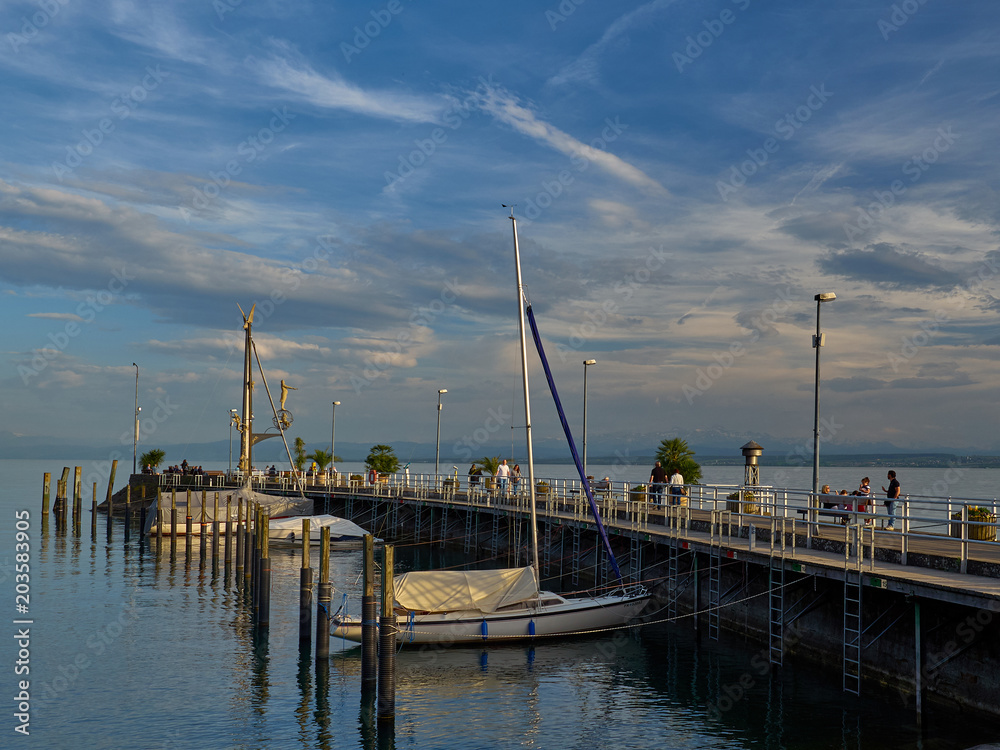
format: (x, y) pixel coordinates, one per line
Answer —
(749, 503)
(976, 532)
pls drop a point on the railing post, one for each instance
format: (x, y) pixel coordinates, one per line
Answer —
(964, 555)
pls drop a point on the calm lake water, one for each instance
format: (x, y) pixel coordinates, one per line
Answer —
(128, 650)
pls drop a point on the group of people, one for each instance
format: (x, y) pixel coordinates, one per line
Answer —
(864, 494)
(658, 480)
(184, 470)
(506, 477)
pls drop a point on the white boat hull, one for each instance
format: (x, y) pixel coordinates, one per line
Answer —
(554, 617)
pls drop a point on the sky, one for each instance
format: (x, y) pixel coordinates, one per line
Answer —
(686, 177)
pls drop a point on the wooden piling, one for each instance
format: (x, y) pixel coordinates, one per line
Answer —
(159, 518)
(369, 613)
(189, 527)
(305, 590)
(111, 514)
(77, 494)
(229, 531)
(323, 598)
(215, 531)
(128, 511)
(387, 642)
(93, 513)
(173, 522)
(239, 541)
(111, 482)
(264, 617)
(46, 486)
(203, 527)
(248, 561)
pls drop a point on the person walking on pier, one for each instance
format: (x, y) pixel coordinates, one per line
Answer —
(891, 496)
(657, 478)
(676, 486)
(503, 476)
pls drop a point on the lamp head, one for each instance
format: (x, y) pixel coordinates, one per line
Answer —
(590, 362)
(336, 403)
(443, 390)
(825, 297)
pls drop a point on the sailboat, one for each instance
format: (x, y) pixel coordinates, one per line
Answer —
(477, 606)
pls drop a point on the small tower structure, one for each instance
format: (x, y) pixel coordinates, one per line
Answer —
(751, 473)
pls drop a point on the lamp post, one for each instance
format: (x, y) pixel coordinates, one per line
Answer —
(818, 342)
(232, 421)
(135, 432)
(437, 449)
(333, 427)
(586, 363)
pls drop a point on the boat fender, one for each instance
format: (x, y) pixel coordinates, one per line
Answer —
(531, 628)
(410, 623)
(485, 629)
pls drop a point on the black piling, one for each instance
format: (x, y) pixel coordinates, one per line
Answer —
(128, 511)
(239, 542)
(189, 527)
(229, 533)
(387, 643)
(305, 590)
(323, 598)
(77, 495)
(264, 617)
(173, 523)
(369, 623)
(111, 486)
(215, 532)
(159, 519)
(93, 513)
(203, 528)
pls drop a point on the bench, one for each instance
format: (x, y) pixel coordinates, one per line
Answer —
(841, 515)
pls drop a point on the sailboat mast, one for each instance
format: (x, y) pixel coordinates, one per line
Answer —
(246, 428)
(527, 402)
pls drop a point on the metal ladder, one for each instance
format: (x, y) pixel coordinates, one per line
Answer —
(852, 610)
(547, 550)
(714, 576)
(444, 526)
(394, 517)
(776, 593)
(495, 541)
(468, 530)
(417, 519)
(635, 553)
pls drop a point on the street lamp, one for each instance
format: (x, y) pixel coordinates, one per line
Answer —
(586, 363)
(333, 427)
(437, 449)
(135, 432)
(232, 421)
(818, 341)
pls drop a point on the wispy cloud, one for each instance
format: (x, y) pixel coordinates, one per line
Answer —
(585, 68)
(286, 70)
(506, 108)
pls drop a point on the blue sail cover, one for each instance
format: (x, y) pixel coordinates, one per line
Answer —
(572, 444)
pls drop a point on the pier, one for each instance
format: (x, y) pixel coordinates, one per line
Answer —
(913, 608)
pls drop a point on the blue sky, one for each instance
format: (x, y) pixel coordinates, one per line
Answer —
(687, 176)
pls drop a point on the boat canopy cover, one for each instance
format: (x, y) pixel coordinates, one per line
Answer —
(464, 590)
(275, 505)
(290, 529)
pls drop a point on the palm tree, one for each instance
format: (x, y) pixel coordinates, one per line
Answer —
(321, 457)
(299, 457)
(152, 458)
(674, 453)
(489, 464)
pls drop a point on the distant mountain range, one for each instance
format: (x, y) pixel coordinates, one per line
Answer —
(712, 446)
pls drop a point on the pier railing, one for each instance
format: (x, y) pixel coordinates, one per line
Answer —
(919, 520)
